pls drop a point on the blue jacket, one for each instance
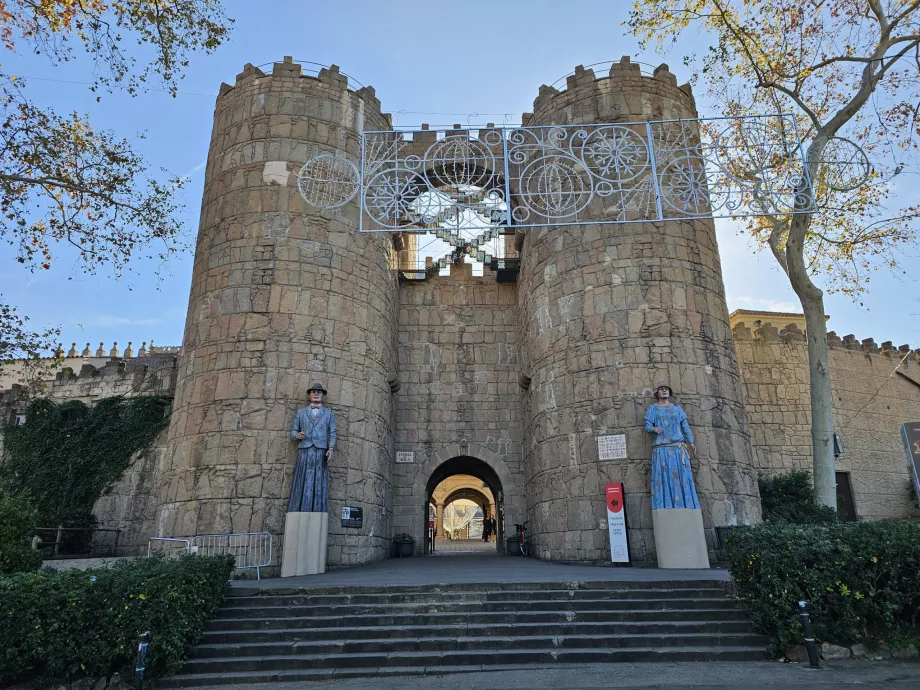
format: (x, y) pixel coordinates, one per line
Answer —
(319, 430)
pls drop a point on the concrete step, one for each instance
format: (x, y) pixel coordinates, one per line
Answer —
(479, 618)
(523, 605)
(306, 632)
(423, 597)
(229, 653)
(337, 632)
(454, 663)
(351, 590)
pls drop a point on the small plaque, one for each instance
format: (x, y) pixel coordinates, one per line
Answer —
(405, 457)
(352, 517)
(611, 447)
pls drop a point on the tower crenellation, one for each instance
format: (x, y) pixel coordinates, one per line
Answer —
(767, 332)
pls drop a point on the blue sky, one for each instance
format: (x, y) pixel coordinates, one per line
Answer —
(434, 62)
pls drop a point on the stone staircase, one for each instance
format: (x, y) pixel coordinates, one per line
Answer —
(262, 636)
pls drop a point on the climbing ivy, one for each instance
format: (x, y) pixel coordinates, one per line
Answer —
(67, 454)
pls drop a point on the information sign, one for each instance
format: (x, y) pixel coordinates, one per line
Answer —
(616, 523)
(352, 517)
(611, 447)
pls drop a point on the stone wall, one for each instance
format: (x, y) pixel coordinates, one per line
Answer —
(871, 402)
(130, 504)
(459, 395)
(283, 295)
(608, 311)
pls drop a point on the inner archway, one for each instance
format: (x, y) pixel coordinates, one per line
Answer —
(469, 487)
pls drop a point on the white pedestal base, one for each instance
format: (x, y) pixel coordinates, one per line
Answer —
(305, 536)
(679, 538)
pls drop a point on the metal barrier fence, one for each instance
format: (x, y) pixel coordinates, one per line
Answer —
(167, 545)
(250, 549)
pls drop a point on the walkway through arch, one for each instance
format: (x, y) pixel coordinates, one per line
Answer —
(474, 484)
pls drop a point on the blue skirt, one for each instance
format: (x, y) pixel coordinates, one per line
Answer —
(310, 490)
(672, 479)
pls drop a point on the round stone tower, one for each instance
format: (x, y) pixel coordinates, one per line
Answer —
(283, 295)
(608, 311)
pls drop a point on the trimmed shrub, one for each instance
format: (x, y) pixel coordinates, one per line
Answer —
(59, 626)
(17, 527)
(790, 499)
(861, 581)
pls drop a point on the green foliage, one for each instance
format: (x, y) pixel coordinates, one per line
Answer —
(403, 538)
(790, 498)
(17, 527)
(861, 581)
(67, 454)
(66, 625)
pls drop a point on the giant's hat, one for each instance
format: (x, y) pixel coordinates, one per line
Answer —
(317, 387)
(661, 385)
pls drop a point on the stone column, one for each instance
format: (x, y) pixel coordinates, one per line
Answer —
(439, 522)
(283, 295)
(606, 312)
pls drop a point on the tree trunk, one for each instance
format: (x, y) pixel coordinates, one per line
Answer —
(819, 375)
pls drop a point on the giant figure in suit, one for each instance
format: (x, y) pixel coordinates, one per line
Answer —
(314, 429)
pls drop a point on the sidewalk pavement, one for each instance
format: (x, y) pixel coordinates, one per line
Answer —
(762, 675)
(476, 569)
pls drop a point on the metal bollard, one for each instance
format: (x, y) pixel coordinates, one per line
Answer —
(809, 636)
(141, 661)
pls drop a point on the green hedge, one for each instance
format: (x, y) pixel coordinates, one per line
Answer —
(861, 581)
(58, 626)
(790, 499)
(17, 527)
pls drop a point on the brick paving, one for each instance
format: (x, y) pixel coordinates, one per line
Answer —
(468, 546)
(471, 569)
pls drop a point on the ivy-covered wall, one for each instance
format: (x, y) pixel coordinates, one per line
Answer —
(130, 503)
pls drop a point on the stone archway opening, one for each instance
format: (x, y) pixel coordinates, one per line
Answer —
(463, 496)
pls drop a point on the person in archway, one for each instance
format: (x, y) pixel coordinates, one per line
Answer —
(486, 528)
(314, 429)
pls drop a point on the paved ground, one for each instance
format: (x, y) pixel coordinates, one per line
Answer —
(764, 675)
(464, 569)
(449, 547)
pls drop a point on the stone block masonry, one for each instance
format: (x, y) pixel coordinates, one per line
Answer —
(874, 390)
(515, 382)
(283, 295)
(608, 311)
(459, 365)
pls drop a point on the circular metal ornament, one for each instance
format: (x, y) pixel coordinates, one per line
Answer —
(328, 181)
(685, 187)
(617, 154)
(459, 162)
(844, 165)
(390, 196)
(554, 187)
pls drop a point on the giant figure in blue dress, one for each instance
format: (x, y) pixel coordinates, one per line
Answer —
(672, 478)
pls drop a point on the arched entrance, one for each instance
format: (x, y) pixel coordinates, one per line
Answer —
(489, 496)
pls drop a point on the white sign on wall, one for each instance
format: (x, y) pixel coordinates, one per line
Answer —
(405, 457)
(611, 447)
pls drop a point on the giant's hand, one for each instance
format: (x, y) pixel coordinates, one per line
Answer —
(693, 448)
(329, 455)
(301, 436)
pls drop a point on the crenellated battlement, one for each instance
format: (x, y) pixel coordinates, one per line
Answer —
(625, 73)
(328, 77)
(768, 332)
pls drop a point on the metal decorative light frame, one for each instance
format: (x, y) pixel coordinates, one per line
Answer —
(452, 182)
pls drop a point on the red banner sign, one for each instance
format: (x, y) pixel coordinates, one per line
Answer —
(616, 523)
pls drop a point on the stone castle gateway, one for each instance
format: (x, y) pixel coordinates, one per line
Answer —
(511, 382)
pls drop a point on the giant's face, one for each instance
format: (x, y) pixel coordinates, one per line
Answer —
(316, 396)
(663, 393)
